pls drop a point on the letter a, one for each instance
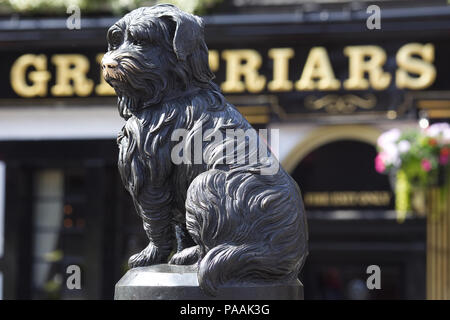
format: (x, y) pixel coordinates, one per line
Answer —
(74, 280)
(73, 21)
(374, 281)
(374, 20)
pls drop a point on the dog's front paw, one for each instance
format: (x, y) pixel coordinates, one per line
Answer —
(187, 256)
(150, 255)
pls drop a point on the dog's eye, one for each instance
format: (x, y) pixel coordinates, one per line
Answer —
(115, 38)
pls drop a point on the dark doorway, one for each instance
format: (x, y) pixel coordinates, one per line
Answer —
(352, 225)
(341, 175)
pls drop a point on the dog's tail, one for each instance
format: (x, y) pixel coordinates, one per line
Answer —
(237, 264)
(251, 228)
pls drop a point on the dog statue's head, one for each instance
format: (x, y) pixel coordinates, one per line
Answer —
(155, 54)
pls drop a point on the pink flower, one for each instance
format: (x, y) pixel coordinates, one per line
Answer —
(426, 165)
(379, 163)
(443, 159)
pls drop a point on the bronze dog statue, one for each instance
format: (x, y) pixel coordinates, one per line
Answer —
(238, 224)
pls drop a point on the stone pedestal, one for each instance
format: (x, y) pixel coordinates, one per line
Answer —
(170, 282)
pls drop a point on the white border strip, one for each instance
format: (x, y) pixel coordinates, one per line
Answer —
(54, 123)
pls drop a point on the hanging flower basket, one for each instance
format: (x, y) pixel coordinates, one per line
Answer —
(415, 160)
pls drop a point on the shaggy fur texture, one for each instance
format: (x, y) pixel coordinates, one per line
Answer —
(237, 224)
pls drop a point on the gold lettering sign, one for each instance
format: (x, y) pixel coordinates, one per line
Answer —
(317, 73)
(280, 80)
(348, 198)
(71, 67)
(39, 78)
(243, 63)
(407, 63)
(358, 66)
(30, 74)
(213, 59)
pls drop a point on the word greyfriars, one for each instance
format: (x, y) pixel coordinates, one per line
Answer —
(30, 74)
(238, 225)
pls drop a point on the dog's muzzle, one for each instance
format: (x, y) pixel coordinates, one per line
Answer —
(109, 67)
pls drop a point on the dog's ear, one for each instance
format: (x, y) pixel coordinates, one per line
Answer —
(188, 30)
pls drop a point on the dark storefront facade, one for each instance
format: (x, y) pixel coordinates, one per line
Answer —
(326, 82)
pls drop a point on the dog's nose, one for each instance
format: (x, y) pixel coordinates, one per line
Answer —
(109, 63)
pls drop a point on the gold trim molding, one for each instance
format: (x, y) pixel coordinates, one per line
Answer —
(345, 104)
(327, 134)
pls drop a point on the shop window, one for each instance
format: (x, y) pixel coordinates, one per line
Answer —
(58, 231)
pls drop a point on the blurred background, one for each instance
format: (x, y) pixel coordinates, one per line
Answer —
(360, 94)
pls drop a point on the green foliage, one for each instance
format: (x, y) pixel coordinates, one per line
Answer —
(420, 154)
(412, 161)
(419, 159)
(403, 195)
(116, 7)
